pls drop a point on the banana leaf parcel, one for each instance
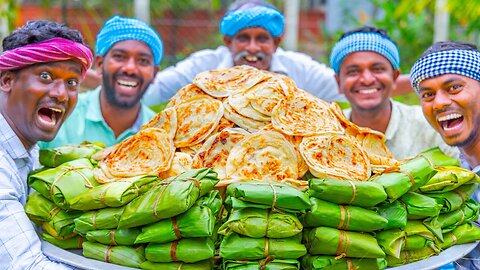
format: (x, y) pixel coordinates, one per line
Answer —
(257, 223)
(213, 201)
(71, 243)
(42, 211)
(113, 194)
(343, 217)
(407, 177)
(267, 264)
(65, 182)
(409, 256)
(201, 265)
(323, 262)
(330, 241)
(437, 158)
(198, 221)
(267, 195)
(168, 199)
(122, 255)
(187, 250)
(114, 237)
(106, 218)
(207, 177)
(415, 236)
(453, 200)
(395, 213)
(449, 178)
(463, 234)
(468, 212)
(420, 206)
(59, 155)
(363, 194)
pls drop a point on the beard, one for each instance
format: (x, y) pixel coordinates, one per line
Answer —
(112, 97)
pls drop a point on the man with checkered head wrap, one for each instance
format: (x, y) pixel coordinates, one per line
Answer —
(41, 67)
(252, 31)
(366, 62)
(447, 79)
(129, 52)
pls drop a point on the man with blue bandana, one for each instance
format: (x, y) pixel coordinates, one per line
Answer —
(252, 33)
(447, 79)
(129, 52)
(366, 62)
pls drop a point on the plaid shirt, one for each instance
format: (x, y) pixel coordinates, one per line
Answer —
(20, 247)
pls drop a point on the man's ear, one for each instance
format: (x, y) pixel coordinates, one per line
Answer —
(7, 79)
(99, 64)
(276, 42)
(340, 90)
(227, 41)
(396, 73)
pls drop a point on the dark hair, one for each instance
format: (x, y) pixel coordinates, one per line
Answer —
(368, 29)
(37, 31)
(449, 45)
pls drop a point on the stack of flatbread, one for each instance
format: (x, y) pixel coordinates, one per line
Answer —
(249, 124)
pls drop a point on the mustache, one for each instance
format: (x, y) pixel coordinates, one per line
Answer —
(242, 54)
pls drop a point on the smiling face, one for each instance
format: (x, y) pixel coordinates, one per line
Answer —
(127, 69)
(450, 103)
(367, 79)
(252, 46)
(37, 99)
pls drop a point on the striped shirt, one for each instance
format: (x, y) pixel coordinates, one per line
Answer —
(20, 247)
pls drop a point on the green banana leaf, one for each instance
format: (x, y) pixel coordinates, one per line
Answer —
(322, 262)
(330, 241)
(437, 158)
(407, 177)
(351, 218)
(267, 264)
(449, 178)
(113, 194)
(106, 218)
(434, 226)
(59, 155)
(415, 236)
(71, 243)
(409, 256)
(122, 255)
(453, 200)
(114, 237)
(201, 265)
(197, 221)
(40, 210)
(395, 213)
(65, 182)
(257, 223)
(363, 194)
(270, 195)
(169, 198)
(213, 201)
(463, 234)
(238, 247)
(468, 212)
(187, 250)
(420, 206)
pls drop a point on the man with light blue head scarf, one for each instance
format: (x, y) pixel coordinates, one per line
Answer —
(129, 52)
(252, 31)
(367, 62)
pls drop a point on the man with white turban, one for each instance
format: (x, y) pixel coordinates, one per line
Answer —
(129, 52)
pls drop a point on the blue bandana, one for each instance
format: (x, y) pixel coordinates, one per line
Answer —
(257, 16)
(364, 42)
(119, 28)
(462, 62)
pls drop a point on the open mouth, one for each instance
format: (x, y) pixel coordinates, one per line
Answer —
(450, 121)
(49, 116)
(367, 91)
(128, 83)
(252, 58)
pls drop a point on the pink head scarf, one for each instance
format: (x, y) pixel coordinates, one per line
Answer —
(51, 50)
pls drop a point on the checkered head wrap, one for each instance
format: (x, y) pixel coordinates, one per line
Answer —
(462, 62)
(248, 16)
(119, 28)
(364, 41)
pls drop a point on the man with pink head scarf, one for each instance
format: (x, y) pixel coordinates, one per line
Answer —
(41, 67)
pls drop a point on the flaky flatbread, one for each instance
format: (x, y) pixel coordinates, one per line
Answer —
(185, 93)
(181, 162)
(166, 120)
